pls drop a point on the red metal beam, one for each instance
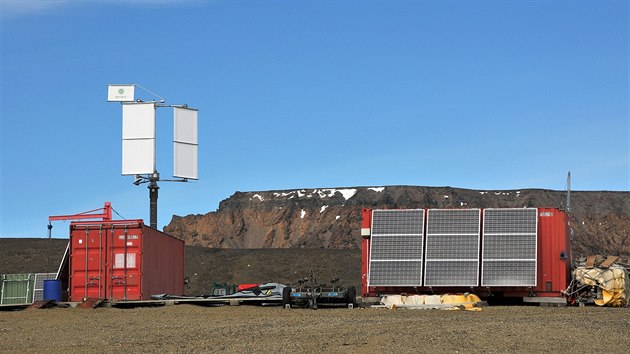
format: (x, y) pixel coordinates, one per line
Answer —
(106, 214)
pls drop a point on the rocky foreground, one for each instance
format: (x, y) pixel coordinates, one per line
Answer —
(247, 329)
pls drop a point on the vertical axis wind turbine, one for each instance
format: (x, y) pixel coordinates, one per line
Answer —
(139, 141)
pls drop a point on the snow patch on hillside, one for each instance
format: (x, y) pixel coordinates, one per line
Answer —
(322, 193)
(348, 193)
(288, 194)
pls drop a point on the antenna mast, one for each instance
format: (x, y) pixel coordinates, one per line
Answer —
(569, 192)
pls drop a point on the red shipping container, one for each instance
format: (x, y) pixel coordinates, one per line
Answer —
(553, 261)
(123, 260)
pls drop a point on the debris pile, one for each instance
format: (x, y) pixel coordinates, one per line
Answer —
(600, 280)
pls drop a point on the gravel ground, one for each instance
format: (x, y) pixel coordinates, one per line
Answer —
(190, 328)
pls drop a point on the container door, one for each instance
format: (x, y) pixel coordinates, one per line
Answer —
(124, 264)
(88, 263)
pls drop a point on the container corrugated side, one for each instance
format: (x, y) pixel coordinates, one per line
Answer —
(554, 257)
(163, 263)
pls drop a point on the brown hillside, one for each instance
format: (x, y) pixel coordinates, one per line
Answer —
(330, 218)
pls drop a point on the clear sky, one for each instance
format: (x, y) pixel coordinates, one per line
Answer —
(310, 94)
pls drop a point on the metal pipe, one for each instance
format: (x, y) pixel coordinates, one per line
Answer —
(28, 288)
(86, 226)
(111, 266)
(2, 290)
(151, 92)
(85, 293)
(125, 271)
(153, 203)
(100, 261)
(48, 263)
(569, 192)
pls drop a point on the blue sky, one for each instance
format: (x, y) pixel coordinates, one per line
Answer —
(310, 94)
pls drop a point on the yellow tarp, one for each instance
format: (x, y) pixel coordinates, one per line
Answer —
(469, 302)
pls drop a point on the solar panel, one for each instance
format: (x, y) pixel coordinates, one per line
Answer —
(396, 248)
(452, 254)
(509, 247)
(38, 289)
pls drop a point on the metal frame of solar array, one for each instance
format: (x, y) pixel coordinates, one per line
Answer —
(509, 247)
(396, 248)
(452, 251)
(38, 287)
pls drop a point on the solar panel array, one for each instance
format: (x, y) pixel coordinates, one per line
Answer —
(452, 253)
(457, 241)
(509, 247)
(396, 248)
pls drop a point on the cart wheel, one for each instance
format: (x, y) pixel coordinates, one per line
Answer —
(351, 295)
(286, 297)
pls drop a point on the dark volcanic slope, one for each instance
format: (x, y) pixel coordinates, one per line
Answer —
(330, 218)
(241, 266)
(205, 266)
(31, 255)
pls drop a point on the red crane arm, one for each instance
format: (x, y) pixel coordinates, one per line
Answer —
(106, 214)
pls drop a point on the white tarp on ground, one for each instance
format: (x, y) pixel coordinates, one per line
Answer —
(267, 291)
(447, 302)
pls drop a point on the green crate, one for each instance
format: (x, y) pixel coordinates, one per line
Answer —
(16, 289)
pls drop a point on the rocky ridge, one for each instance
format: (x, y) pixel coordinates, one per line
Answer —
(331, 217)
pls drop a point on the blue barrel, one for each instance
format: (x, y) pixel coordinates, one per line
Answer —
(52, 290)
